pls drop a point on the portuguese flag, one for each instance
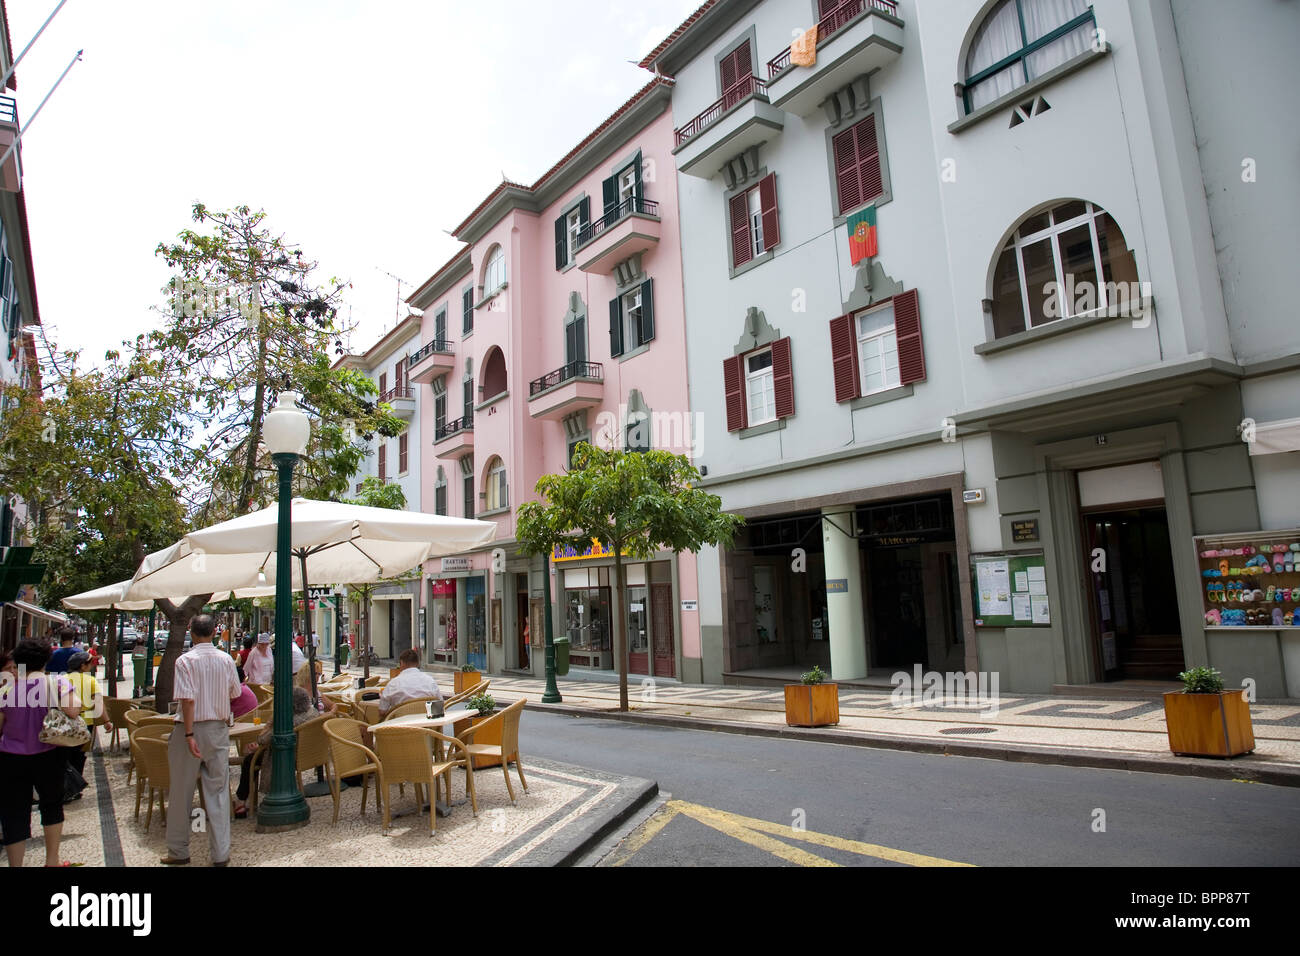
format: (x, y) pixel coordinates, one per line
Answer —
(862, 234)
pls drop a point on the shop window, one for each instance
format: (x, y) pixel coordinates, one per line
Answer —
(759, 386)
(1050, 268)
(587, 611)
(878, 349)
(1020, 40)
(442, 619)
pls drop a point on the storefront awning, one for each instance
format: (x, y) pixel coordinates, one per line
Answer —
(1274, 438)
(35, 611)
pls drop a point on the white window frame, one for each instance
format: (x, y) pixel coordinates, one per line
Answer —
(754, 205)
(494, 271)
(627, 184)
(573, 229)
(497, 496)
(1053, 232)
(631, 327)
(769, 389)
(876, 338)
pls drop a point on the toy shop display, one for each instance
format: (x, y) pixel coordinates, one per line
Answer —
(1251, 579)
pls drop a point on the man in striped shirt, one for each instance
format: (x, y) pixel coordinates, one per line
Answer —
(206, 683)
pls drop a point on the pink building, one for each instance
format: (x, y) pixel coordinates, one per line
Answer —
(560, 321)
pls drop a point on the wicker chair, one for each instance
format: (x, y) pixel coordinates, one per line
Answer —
(479, 688)
(131, 720)
(407, 755)
(407, 708)
(154, 771)
(508, 749)
(115, 708)
(366, 710)
(350, 757)
(264, 692)
(312, 751)
(264, 710)
(373, 681)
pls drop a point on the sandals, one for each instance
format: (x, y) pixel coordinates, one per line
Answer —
(241, 811)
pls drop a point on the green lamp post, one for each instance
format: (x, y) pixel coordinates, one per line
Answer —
(552, 693)
(286, 432)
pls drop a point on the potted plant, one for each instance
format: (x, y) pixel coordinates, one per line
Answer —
(486, 706)
(1204, 720)
(468, 676)
(813, 702)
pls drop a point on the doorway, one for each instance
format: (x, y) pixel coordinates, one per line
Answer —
(521, 625)
(1137, 634)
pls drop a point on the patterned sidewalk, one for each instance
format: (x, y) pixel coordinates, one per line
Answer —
(1134, 726)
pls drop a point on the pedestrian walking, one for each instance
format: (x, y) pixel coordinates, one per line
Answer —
(260, 666)
(206, 684)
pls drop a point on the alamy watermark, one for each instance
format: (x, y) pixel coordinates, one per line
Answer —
(950, 689)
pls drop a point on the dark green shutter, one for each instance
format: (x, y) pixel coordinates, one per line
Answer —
(584, 212)
(615, 327)
(561, 244)
(647, 311)
(609, 189)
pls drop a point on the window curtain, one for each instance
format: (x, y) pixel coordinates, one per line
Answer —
(998, 38)
(1044, 16)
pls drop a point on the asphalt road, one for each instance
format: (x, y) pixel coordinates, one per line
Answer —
(747, 801)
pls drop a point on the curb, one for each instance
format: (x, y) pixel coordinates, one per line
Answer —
(1253, 771)
(576, 840)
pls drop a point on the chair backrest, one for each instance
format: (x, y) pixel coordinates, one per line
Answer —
(372, 681)
(153, 761)
(263, 692)
(367, 710)
(165, 720)
(116, 708)
(313, 746)
(510, 727)
(348, 752)
(404, 754)
(131, 719)
(410, 707)
(479, 688)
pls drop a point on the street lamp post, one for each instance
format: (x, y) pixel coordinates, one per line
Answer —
(286, 432)
(552, 693)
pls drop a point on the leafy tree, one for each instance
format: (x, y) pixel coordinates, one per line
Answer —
(379, 494)
(635, 504)
(246, 318)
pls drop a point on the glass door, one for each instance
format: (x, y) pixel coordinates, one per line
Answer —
(638, 633)
(476, 623)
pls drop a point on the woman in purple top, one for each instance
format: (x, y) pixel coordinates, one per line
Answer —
(247, 700)
(25, 762)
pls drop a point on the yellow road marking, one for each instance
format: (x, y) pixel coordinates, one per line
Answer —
(645, 834)
(726, 823)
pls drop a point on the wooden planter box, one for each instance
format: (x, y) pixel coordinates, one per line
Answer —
(490, 736)
(464, 680)
(812, 705)
(1209, 725)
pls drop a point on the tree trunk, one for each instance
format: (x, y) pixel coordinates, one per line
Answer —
(255, 427)
(178, 621)
(620, 635)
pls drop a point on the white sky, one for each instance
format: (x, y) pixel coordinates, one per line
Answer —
(364, 129)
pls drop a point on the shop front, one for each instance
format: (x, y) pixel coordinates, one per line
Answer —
(440, 620)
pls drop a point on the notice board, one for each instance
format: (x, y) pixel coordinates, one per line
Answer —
(1009, 589)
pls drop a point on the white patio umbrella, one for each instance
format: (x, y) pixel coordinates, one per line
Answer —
(111, 597)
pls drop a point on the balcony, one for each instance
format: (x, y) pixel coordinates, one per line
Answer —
(630, 227)
(455, 438)
(569, 388)
(856, 38)
(429, 361)
(10, 175)
(402, 400)
(742, 118)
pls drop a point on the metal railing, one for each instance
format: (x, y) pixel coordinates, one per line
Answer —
(454, 427)
(838, 18)
(741, 91)
(400, 391)
(628, 206)
(431, 348)
(586, 370)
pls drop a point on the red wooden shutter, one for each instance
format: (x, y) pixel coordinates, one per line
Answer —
(742, 244)
(782, 378)
(733, 383)
(846, 171)
(767, 204)
(728, 71)
(401, 454)
(907, 330)
(744, 66)
(383, 384)
(868, 159)
(383, 461)
(844, 358)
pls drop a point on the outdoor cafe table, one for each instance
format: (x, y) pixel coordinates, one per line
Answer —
(457, 713)
(240, 732)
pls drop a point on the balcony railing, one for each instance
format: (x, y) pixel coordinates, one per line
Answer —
(585, 370)
(401, 391)
(424, 351)
(749, 86)
(454, 427)
(842, 15)
(8, 110)
(624, 209)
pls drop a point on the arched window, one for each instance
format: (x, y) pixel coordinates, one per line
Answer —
(494, 374)
(1066, 260)
(1019, 41)
(494, 489)
(494, 271)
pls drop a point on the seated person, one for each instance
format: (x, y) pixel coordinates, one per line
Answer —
(246, 702)
(411, 684)
(303, 711)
